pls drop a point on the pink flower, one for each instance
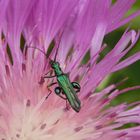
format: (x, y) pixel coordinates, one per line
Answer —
(75, 26)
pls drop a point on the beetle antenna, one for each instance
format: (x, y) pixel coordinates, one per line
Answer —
(58, 45)
(37, 49)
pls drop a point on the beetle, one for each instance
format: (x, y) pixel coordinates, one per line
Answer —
(65, 86)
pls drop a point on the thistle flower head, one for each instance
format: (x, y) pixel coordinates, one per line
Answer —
(29, 107)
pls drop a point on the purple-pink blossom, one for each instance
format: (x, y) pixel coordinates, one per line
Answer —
(76, 27)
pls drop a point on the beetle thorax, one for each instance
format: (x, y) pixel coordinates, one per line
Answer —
(56, 67)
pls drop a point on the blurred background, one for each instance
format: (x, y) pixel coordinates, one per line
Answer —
(132, 72)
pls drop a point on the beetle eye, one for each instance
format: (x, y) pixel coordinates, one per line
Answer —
(57, 90)
(58, 64)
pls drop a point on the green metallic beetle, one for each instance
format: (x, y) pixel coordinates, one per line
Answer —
(66, 87)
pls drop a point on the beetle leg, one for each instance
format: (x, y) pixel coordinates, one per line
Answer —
(67, 105)
(50, 89)
(42, 79)
(51, 71)
(49, 76)
(45, 76)
(62, 97)
(48, 95)
(76, 86)
(51, 84)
